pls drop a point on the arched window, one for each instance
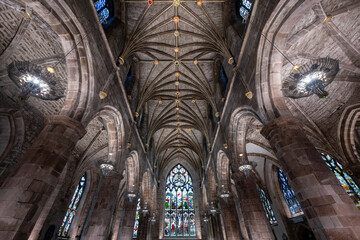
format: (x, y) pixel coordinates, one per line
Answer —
(245, 7)
(137, 217)
(70, 213)
(179, 204)
(288, 194)
(267, 206)
(105, 10)
(345, 180)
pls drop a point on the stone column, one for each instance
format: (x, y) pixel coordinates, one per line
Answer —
(127, 219)
(231, 223)
(215, 224)
(101, 217)
(329, 210)
(255, 221)
(24, 194)
(143, 225)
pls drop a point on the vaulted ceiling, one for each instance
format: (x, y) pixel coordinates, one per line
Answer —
(176, 44)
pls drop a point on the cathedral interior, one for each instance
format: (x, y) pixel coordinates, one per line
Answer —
(180, 119)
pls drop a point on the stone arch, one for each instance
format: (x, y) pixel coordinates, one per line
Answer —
(12, 131)
(223, 170)
(346, 133)
(63, 22)
(211, 185)
(239, 123)
(132, 171)
(113, 122)
(146, 188)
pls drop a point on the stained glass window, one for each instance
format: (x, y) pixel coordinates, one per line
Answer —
(70, 213)
(288, 194)
(179, 204)
(137, 217)
(245, 9)
(267, 206)
(104, 9)
(345, 180)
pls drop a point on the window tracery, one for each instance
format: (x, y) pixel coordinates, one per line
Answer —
(70, 213)
(104, 9)
(179, 204)
(245, 9)
(267, 206)
(288, 193)
(344, 178)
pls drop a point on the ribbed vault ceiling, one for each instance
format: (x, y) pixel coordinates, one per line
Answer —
(176, 44)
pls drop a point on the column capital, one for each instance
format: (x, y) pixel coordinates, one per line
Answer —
(66, 121)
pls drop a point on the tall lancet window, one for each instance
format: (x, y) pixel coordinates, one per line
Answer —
(288, 194)
(179, 204)
(267, 206)
(70, 213)
(137, 217)
(344, 178)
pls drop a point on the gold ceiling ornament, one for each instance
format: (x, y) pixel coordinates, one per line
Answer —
(225, 145)
(128, 145)
(176, 33)
(160, 101)
(199, 2)
(177, 74)
(231, 60)
(177, 62)
(176, 19)
(147, 145)
(156, 62)
(176, 49)
(177, 108)
(178, 122)
(102, 95)
(196, 61)
(176, 3)
(177, 100)
(136, 114)
(189, 129)
(327, 18)
(177, 93)
(193, 101)
(295, 67)
(176, 83)
(50, 70)
(27, 14)
(217, 114)
(121, 61)
(249, 94)
(177, 115)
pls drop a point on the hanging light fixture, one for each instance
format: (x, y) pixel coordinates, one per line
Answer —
(34, 80)
(246, 168)
(311, 78)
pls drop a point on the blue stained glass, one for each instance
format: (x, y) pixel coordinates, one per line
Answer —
(288, 193)
(104, 15)
(247, 4)
(74, 203)
(244, 13)
(180, 217)
(99, 4)
(344, 178)
(267, 206)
